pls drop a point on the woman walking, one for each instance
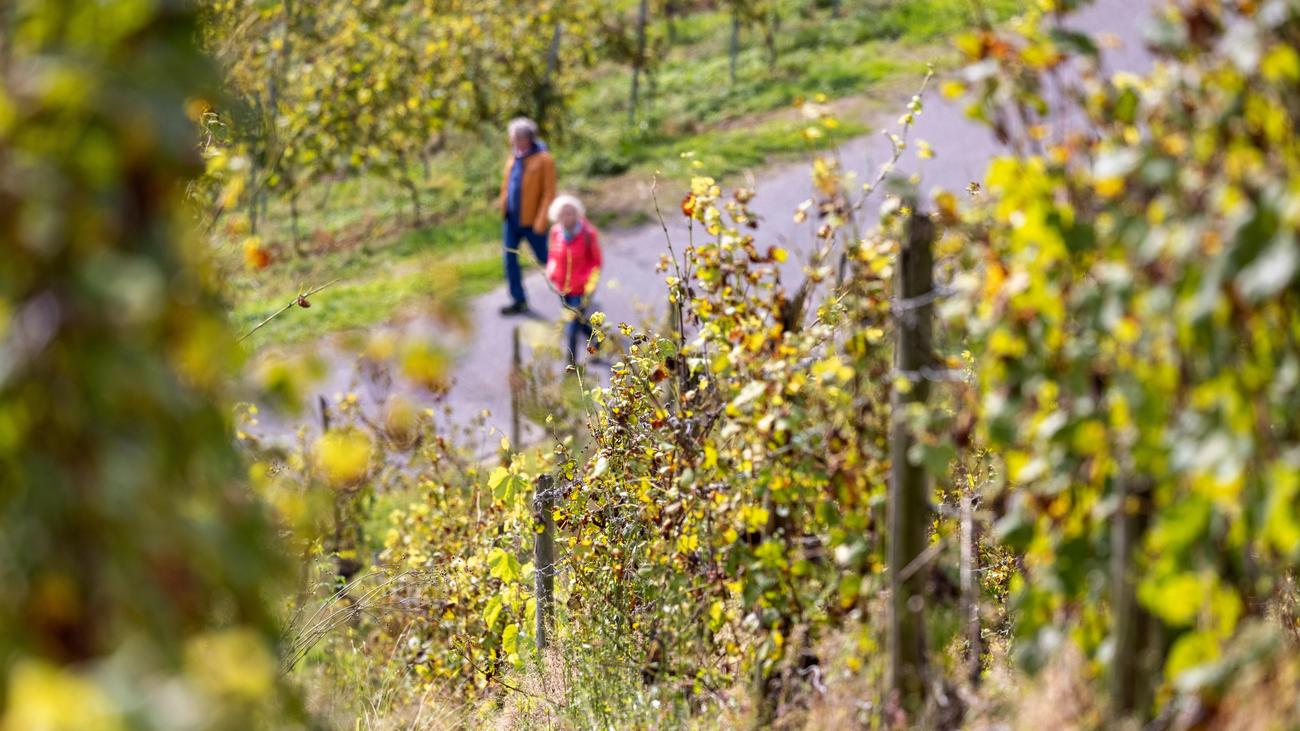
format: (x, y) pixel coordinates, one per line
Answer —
(573, 265)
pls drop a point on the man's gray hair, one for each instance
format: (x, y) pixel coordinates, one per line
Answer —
(524, 126)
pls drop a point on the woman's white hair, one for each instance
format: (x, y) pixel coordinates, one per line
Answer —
(563, 201)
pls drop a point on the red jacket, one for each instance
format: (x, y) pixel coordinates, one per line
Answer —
(569, 263)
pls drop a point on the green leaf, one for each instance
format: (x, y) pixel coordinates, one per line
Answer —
(1282, 526)
(667, 348)
(934, 457)
(849, 588)
(1072, 40)
(504, 484)
(498, 478)
(1180, 525)
(1174, 598)
(492, 611)
(510, 639)
(503, 566)
(1191, 651)
(716, 616)
(1126, 106)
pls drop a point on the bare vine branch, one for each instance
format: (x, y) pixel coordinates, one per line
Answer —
(300, 300)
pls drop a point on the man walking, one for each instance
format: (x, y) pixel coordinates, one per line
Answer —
(527, 188)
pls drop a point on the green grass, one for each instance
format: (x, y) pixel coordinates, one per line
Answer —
(722, 153)
(376, 279)
(362, 234)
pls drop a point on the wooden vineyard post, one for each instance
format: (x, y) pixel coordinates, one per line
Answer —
(970, 587)
(516, 376)
(735, 43)
(1132, 664)
(545, 92)
(642, 17)
(908, 512)
(544, 554)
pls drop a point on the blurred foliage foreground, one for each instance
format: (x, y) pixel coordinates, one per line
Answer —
(141, 577)
(1109, 418)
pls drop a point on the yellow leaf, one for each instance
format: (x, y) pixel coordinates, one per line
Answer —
(688, 543)
(754, 517)
(1108, 187)
(715, 615)
(342, 456)
(231, 663)
(45, 697)
(1191, 650)
(1090, 437)
(1174, 598)
(425, 364)
(1281, 63)
(701, 184)
(1282, 526)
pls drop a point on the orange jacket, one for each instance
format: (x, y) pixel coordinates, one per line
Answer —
(538, 189)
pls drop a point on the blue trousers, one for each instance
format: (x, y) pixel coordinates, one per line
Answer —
(511, 234)
(578, 326)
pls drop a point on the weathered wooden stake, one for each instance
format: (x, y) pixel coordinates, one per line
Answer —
(545, 92)
(735, 43)
(909, 511)
(294, 221)
(544, 554)
(1133, 663)
(516, 376)
(324, 413)
(970, 588)
(642, 17)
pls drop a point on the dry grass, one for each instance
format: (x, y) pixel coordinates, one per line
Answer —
(534, 700)
(1259, 692)
(1058, 698)
(1264, 699)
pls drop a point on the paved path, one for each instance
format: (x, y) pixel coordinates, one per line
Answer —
(631, 290)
